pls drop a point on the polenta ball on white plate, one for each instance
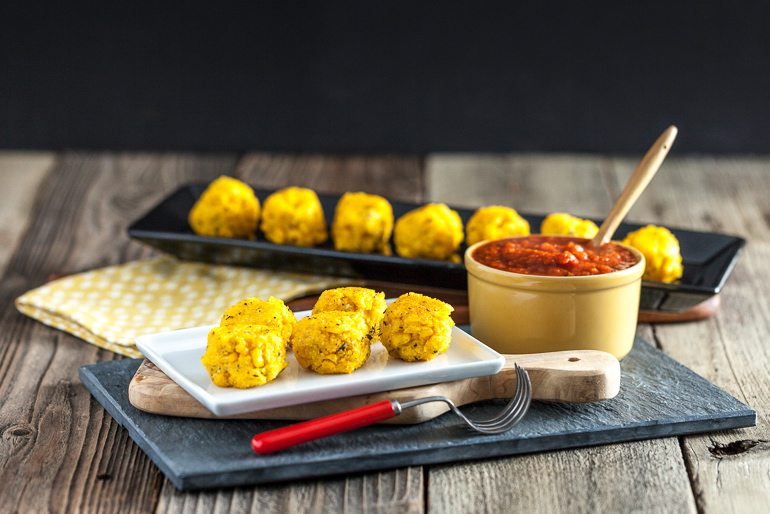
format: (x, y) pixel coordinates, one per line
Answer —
(370, 303)
(416, 327)
(273, 314)
(244, 356)
(331, 342)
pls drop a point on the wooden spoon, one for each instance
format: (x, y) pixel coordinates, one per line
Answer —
(636, 184)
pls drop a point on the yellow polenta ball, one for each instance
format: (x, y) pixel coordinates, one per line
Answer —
(433, 231)
(493, 223)
(331, 342)
(227, 208)
(370, 303)
(244, 356)
(662, 255)
(561, 224)
(416, 327)
(272, 313)
(294, 216)
(362, 223)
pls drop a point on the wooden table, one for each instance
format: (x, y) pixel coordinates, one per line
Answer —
(67, 212)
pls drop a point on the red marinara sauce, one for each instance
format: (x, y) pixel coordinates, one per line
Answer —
(553, 256)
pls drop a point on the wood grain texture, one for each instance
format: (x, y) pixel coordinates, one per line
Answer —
(66, 454)
(399, 491)
(537, 184)
(20, 176)
(395, 177)
(584, 186)
(728, 470)
(60, 452)
(644, 476)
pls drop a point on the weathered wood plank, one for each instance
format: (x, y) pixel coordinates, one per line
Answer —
(536, 184)
(395, 177)
(20, 176)
(395, 491)
(631, 477)
(729, 470)
(66, 454)
(584, 185)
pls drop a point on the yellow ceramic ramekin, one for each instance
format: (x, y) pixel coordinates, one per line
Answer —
(516, 313)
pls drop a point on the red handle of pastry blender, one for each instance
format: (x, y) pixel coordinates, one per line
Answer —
(281, 438)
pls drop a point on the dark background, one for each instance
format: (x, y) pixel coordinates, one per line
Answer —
(381, 77)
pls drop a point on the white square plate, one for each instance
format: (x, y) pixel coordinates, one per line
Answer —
(178, 353)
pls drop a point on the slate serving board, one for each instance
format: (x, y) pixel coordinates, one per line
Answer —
(658, 398)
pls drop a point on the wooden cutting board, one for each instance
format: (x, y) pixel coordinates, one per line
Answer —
(577, 377)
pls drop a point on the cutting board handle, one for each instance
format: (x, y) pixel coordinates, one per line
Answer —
(578, 376)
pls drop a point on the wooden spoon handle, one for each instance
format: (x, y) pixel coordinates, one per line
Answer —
(636, 184)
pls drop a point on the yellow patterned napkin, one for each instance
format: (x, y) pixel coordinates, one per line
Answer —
(109, 307)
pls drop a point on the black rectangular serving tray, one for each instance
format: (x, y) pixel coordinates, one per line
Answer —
(658, 398)
(708, 258)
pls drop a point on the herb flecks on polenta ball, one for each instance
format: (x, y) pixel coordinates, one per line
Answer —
(331, 342)
(272, 313)
(417, 327)
(368, 302)
(244, 356)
